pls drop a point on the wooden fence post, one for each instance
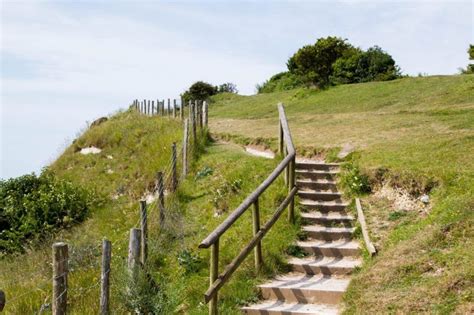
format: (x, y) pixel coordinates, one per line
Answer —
(60, 271)
(153, 107)
(256, 229)
(174, 108)
(213, 274)
(105, 277)
(174, 170)
(205, 117)
(161, 197)
(190, 112)
(185, 148)
(149, 105)
(134, 253)
(193, 123)
(168, 110)
(200, 107)
(144, 228)
(181, 109)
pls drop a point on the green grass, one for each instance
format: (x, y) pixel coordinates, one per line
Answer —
(134, 148)
(416, 134)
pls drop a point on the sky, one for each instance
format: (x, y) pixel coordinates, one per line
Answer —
(66, 63)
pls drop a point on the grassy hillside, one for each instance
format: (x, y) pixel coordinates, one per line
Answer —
(134, 148)
(414, 134)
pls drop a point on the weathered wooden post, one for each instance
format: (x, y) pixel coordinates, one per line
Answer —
(199, 114)
(174, 170)
(153, 108)
(174, 108)
(168, 110)
(291, 185)
(185, 148)
(161, 197)
(181, 109)
(144, 228)
(190, 112)
(256, 229)
(205, 117)
(149, 105)
(144, 106)
(213, 274)
(193, 123)
(105, 277)
(134, 253)
(60, 271)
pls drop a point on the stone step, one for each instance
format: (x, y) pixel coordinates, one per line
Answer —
(325, 265)
(302, 288)
(317, 166)
(310, 174)
(327, 185)
(327, 218)
(275, 307)
(324, 206)
(319, 195)
(342, 247)
(328, 233)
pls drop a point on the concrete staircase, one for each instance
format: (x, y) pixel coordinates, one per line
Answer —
(318, 280)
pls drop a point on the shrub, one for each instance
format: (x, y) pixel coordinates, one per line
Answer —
(32, 206)
(364, 66)
(280, 82)
(353, 181)
(202, 90)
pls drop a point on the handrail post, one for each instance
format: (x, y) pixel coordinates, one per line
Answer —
(287, 169)
(291, 183)
(280, 140)
(256, 229)
(213, 273)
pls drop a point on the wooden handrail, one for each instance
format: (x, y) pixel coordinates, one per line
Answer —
(287, 149)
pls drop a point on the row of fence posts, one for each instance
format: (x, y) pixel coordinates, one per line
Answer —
(138, 247)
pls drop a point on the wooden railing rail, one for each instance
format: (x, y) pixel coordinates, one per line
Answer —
(287, 164)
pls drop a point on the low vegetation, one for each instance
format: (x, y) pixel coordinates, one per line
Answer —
(32, 207)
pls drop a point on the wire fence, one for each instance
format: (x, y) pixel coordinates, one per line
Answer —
(172, 175)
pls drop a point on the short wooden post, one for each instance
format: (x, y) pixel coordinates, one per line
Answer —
(185, 148)
(291, 184)
(144, 107)
(163, 108)
(213, 274)
(144, 228)
(205, 117)
(60, 271)
(174, 108)
(105, 277)
(256, 229)
(190, 112)
(153, 108)
(181, 109)
(134, 253)
(161, 197)
(174, 170)
(168, 110)
(193, 122)
(149, 105)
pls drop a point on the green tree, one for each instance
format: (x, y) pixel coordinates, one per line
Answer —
(199, 91)
(313, 63)
(227, 87)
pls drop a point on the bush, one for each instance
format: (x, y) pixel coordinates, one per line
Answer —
(31, 207)
(280, 82)
(364, 66)
(202, 90)
(353, 181)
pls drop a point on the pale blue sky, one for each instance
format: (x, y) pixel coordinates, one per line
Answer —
(67, 62)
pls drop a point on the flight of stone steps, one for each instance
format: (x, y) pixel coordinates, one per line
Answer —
(318, 280)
